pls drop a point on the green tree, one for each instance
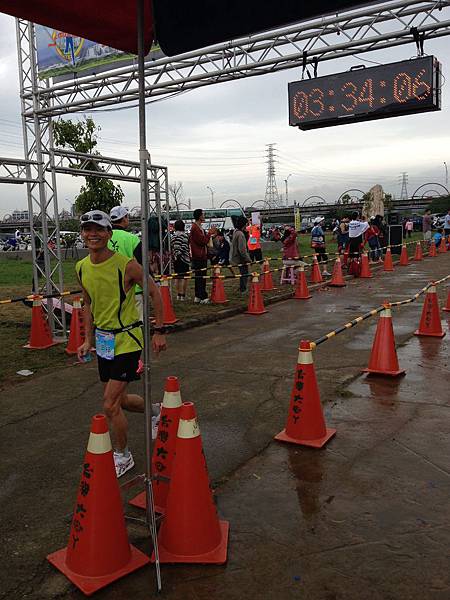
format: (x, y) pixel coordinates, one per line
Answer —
(98, 192)
(440, 205)
(388, 202)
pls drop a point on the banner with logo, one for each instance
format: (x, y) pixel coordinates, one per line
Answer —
(60, 53)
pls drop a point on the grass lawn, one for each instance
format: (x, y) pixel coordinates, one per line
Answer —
(15, 318)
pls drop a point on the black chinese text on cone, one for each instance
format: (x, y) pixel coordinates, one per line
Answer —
(191, 531)
(305, 423)
(383, 358)
(164, 447)
(98, 551)
(430, 321)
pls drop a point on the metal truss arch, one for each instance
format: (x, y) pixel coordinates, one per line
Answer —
(322, 200)
(377, 26)
(426, 188)
(339, 200)
(234, 201)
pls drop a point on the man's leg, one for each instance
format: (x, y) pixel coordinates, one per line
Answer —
(202, 280)
(112, 397)
(132, 402)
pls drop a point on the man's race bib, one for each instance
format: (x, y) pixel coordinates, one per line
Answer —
(104, 344)
(253, 240)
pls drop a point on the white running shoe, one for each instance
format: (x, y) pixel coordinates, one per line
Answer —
(205, 301)
(326, 274)
(123, 463)
(155, 422)
(197, 300)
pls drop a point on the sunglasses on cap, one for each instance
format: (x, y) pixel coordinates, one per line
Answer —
(94, 217)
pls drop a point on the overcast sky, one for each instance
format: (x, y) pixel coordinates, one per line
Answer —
(217, 137)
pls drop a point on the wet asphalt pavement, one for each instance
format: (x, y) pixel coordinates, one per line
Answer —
(367, 517)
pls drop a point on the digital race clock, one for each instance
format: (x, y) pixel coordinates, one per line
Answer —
(409, 86)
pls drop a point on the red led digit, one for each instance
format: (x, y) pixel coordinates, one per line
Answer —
(351, 95)
(366, 94)
(420, 89)
(316, 97)
(402, 87)
(300, 105)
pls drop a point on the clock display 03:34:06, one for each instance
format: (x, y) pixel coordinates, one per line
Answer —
(398, 88)
(404, 88)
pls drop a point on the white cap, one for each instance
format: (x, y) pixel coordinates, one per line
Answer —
(118, 213)
(96, 216)
(318, 220)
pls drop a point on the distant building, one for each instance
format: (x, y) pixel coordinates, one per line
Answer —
(20, 215)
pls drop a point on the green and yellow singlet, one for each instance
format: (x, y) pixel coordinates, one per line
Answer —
(111, 307)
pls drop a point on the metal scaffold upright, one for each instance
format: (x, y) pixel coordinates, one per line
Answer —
(43, 162)
(41, 184)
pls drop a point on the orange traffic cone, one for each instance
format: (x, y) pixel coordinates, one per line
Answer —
(383, 358)
(388, 265)
(316, 275)
(164, 447)
(404, 262)
(337, 279)
(305, 423)
(168, 312)
(301, 290)
(98, 551)
(443, 245)
(447, 306)
(418, 254)
(255, 299)
(266, 278)
(218, 291)
(40, 336)
(76, 335)
(432, 252)
(365, 267)
(430, 321)
(191, 531)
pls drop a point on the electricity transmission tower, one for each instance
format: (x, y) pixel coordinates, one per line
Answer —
(271, 198)
(404, 192)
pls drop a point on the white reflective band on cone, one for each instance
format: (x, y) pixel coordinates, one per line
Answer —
(99, 443)
(164, 282)
(171, 400)
(431, 289)
(255, 278)
(305, 357)
(188, 429)
(386, 313)
(76, 304)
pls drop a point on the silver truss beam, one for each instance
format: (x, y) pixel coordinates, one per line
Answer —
(69, 162)
(379, 26)
(15, 170)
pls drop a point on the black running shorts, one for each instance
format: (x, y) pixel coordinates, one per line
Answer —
(122, 368)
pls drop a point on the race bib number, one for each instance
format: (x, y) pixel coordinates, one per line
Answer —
(253, 240)
(104, 344)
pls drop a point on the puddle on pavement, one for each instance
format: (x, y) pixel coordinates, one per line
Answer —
(382, 389)
(307, 466)
(419, 356)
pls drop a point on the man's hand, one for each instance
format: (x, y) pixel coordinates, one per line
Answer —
(83, 349)
(158, 342)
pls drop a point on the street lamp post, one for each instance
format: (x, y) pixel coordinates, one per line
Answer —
(212, 195)
(446, 174)
(286, 183)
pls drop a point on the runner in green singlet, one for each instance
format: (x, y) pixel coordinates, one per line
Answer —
(108, 280)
